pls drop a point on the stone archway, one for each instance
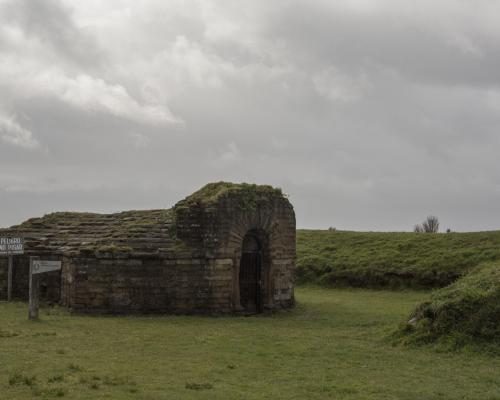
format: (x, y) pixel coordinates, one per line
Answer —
(250, 274)
(218, 218)
(254, 272)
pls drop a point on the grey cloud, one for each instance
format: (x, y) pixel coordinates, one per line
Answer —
(51, 23)
(369, 119)
(319, 33)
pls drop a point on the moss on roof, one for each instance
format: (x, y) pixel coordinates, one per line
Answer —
(121, 221)
(211, 193)
(73, 232)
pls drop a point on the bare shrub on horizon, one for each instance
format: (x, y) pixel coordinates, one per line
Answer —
(430, 225)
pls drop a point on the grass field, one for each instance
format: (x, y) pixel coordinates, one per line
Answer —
(334, 344)
(386, 259)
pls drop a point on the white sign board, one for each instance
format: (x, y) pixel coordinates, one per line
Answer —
(11, 246)
(41, 266)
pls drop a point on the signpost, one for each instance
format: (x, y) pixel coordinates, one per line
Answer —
(38, 267)
(41, 266)
(10, 246)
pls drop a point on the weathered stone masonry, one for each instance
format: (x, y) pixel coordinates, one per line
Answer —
(189, 259)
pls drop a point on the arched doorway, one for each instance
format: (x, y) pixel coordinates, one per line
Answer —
(251, 275)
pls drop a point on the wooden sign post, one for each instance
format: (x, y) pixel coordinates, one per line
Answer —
(38, 267)
(11, 246)
(33, 293)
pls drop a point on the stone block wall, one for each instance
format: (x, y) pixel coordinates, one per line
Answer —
(147, 285)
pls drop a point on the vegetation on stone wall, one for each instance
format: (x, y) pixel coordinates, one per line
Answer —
(107, 249)
(464, 313)
(371, 259)
(248, 194)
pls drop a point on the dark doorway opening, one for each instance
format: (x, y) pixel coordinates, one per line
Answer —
(251, 275)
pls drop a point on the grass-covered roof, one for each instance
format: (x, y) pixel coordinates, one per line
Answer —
(210, 194)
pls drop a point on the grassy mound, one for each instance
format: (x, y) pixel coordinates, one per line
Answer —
(373, 259)
(466, 312)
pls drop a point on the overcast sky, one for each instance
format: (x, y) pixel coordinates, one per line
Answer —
(370, 114)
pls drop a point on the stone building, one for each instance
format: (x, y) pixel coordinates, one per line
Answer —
(227, 248)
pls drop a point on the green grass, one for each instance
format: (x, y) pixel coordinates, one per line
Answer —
(466, 313)
(334, 345)
(373, 259)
